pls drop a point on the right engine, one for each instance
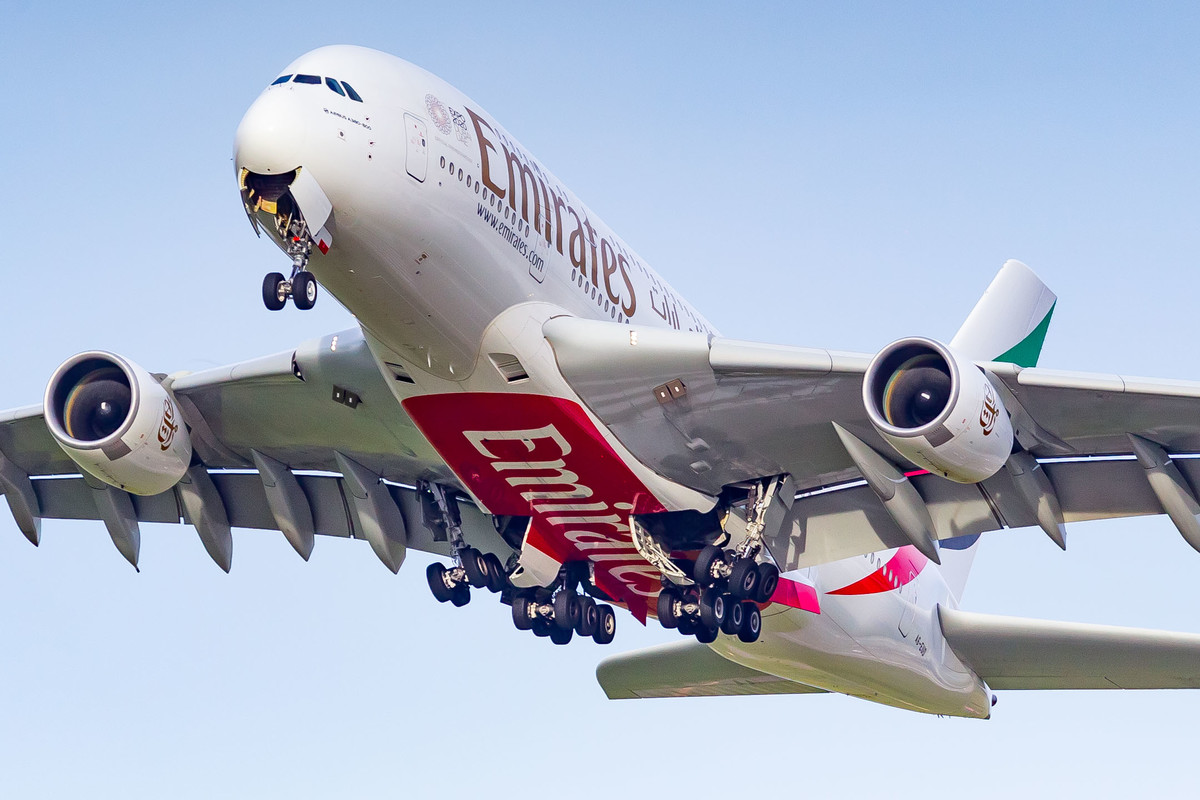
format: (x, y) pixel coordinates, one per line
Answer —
(938, 410)
(117, 423)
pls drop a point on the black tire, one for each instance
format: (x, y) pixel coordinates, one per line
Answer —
(721, 602)
(475, 567)
(461, 596)
(731, 618)
(687, 626)
(751, 625)
(666, 608)
(435, 574)
(768, 581)
(708, 615)
(520, 613)
(542, 626)
(271, 298)
(704, 563)
(608, 625)
(589, 617)
(497, 579)
(566, 610)
(706, 635)
(304, 290)
(743, 579)
(561, 635)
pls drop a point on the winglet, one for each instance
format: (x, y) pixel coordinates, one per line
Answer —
(1010, 321)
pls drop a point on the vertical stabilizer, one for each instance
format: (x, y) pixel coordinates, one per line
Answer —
(1009, 323)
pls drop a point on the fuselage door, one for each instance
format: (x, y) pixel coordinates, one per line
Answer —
(416, 156)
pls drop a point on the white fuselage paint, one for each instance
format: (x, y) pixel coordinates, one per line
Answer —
(450, 241)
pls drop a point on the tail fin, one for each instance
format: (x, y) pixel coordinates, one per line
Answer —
(1009, 323)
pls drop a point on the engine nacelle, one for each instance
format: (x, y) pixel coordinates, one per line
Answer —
(117, 423)
(938, 410)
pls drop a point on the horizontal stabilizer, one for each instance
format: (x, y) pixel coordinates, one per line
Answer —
(1015, 653)
(686, 669)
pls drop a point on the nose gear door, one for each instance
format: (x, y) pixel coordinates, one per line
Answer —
(416, 156)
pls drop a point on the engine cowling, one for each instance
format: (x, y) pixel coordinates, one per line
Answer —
(938, 410)
(117, 422)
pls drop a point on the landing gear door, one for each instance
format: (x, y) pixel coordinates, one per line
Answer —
(416, 156)
(313, 204)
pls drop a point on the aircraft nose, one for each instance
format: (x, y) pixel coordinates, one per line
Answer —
(272, 136)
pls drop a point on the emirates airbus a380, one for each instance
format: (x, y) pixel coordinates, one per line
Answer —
(526, 398)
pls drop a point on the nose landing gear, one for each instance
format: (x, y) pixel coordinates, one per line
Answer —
(301, 286)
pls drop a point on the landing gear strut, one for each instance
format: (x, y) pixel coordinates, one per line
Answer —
(471, 568)
(729, 584)
(301, 286)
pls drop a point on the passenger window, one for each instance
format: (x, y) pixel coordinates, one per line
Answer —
(308, 79)
(332, 84)
(281, 79)
(353, 95)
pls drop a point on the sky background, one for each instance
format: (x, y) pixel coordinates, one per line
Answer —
(833, 175)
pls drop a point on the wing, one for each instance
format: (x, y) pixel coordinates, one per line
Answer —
(320, 419)
(740, 411)
(686, 669)
(1013, 653)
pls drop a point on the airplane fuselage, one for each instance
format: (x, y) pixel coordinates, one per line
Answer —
(452, 246)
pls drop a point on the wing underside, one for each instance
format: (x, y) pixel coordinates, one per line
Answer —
(741, 411)
(686, 669)
(289, 409)
(1014, 653)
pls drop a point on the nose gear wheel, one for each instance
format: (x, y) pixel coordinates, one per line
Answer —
(302, 285)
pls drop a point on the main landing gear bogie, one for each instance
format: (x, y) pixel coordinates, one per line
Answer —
(725, 597)
(563, 615)
(473, 570)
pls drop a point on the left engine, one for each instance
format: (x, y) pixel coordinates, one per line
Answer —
(117, 422)
(938, 409)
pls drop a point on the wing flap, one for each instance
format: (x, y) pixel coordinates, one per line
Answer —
(1092, 413)
(849, 520)
(1016, 653)
(686, 669)
(246, 506)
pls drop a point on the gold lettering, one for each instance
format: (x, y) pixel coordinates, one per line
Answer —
(609, 265)
(527, 185)
(485, 144)
(526, 437)
(623, 265)
(578, 254)
(591, 241)
(559, 205)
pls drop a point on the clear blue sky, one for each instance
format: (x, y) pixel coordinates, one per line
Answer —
(835, 175)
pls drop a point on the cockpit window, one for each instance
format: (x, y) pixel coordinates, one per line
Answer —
(341, 87)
